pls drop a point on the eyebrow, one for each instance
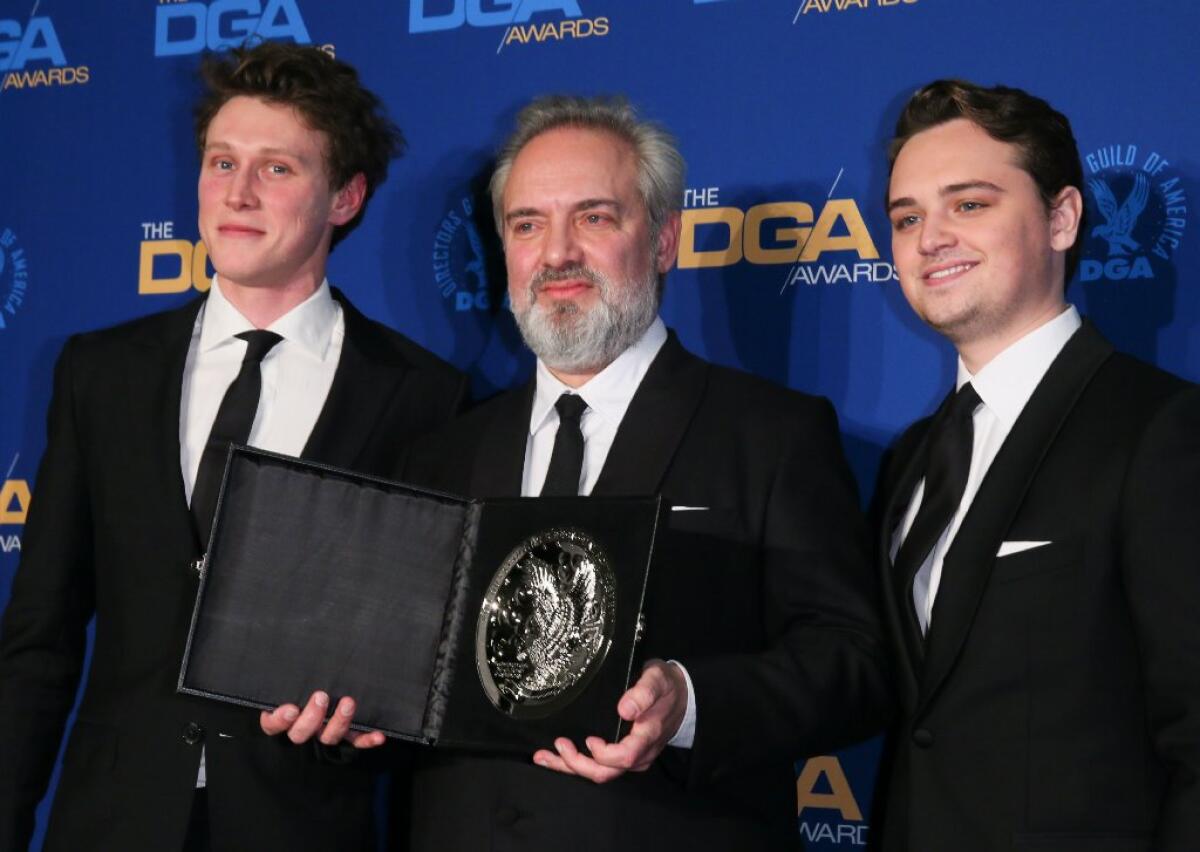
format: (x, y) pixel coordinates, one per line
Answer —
(269, 151)
(950, 189)
(585, 204)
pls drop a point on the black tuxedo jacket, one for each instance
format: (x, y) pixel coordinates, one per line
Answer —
(1055, 702)
(763, 594)
(110, 533)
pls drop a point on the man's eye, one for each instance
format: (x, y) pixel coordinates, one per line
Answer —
(277, 169)
(905, 222)
(968, 206)
(595, 218)
(222, 165)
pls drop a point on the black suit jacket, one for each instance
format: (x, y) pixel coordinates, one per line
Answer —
(764, 595)
(110, 533)
(1055, 704)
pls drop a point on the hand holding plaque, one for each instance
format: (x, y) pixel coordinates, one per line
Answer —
(654, 706)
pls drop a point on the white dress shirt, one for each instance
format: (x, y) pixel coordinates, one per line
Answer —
(607, 394)
(1004, 385)
(296, 376)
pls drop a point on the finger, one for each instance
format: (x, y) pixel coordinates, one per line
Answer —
(551, 760)
(366, 739)
(337, 726)
(635, 752)
(310, 718)
(644, 694)
(278, 720)
(582, 764)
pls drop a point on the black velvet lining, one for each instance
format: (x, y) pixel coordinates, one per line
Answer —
(323, 579)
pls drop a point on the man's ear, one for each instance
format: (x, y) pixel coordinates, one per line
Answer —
(348, 200)
(668, 243)
(1065, 214)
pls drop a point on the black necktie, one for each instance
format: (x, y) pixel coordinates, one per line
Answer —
(232, 426)
(949, 460)
(566, 461)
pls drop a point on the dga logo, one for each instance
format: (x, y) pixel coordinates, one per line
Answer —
(26, 50)
(791, 233)
(14, 506)
(14, 276)
(182, 28)
(459, 263)
(525, 21)
(1138, 214)
(822, 786)
(170, 265)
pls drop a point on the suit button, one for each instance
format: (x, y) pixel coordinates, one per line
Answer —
(192, 733)
(507, 816)
(923, 737)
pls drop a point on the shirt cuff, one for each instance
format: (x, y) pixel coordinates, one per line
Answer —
(687, 728)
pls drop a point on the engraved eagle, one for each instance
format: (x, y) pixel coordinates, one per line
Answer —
(566, 618)
(1119, 222)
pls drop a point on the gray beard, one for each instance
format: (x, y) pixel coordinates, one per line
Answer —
(571, 340)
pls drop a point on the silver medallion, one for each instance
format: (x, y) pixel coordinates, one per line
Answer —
(546, 623)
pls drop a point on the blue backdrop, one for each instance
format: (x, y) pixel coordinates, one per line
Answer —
(782, 108)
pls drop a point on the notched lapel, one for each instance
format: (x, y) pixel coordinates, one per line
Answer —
(362, 388)
(157, 377)
(969, 561)
(895, 590)
(654, 424)
(499, 463)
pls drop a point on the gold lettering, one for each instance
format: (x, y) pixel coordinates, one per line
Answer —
(795, 237)
(841, 798)
(858, 239)
(14, 491)
(690, 257)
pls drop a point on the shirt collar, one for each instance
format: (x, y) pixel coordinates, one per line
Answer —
(609, 392)
(310, 324)
(1007, 381)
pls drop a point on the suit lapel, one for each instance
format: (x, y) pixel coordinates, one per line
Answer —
(499, 461)
(157, 377)
(654, 424)
(364, 383)
(968, 563)
(897, 595)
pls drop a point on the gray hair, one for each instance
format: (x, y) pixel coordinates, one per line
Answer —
(660, 165)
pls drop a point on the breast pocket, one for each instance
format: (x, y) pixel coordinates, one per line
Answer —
(1036, 561)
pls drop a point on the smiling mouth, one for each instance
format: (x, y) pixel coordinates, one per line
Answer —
(948, 272)
(239, 231)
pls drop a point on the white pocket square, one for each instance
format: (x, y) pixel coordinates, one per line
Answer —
(689, 508)
(1009, 547)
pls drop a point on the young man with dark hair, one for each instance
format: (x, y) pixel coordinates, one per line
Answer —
(292, 147)
(1038, 540)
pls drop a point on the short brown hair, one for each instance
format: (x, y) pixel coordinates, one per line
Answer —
(1041, 133)
(327, 95)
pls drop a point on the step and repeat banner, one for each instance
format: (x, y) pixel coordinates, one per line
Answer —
(782, 107)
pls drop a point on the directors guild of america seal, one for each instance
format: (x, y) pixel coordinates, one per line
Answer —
(545, 624)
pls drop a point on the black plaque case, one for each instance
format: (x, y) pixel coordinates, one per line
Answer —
(321, 578)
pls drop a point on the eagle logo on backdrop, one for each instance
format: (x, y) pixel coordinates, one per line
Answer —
(14, 276)
(1137, 211)
(460, 260)
(1119, 221)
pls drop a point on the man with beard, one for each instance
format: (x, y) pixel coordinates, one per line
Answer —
(761, 597)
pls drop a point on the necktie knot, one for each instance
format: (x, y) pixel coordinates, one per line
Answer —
(964, 403)
(570, 408)
(258, 344)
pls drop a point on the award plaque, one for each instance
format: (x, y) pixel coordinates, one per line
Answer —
(546, 623)
(497, 624)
